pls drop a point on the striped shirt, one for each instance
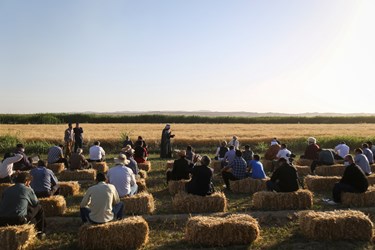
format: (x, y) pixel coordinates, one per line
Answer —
(54, 154)
(238, 166)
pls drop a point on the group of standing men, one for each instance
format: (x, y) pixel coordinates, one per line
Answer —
(73, 136)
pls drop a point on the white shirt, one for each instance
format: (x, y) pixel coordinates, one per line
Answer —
(342, 150)
(283, 153)
(96, 153)
(234, 143)
(100, 198)
(6, 167)
(122, 178)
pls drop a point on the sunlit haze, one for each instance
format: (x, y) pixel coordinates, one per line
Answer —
(257, 56)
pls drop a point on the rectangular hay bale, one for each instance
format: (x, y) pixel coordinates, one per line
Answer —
(141, 185)
(188, 203)
(68, 188)
(248, 185)
(301, 199)
(316, 183)
(128, 233)
(330, 170)
(54, 205)
(146, 166)
(304, 162)
(366, 199)
(78, 175)
(56, 167)
(141, 203)
(336, 225)
(17, 237)
(303, 170)
(142, 174)
(219, 232)
(177, 186)
(100, 166)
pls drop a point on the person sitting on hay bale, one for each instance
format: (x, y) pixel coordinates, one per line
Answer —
(140, 152)
(284, 179)
(55, 155)
(96, 152)
(234, 142)
(142, 143)
(229, 156)
(78, 161)
(221, 151)
(352, 181)
(372, 148)
(69, 140)
(6, 167)
(127, 142)
(19, 205)
(247, 154)
(342, 150)
(201, 178)
(181, 168)
(361, 160)
(101, 203)
(272, 151)
(236, 170)
(122, 177)
(129, 153)
(44, 182)
(325, 157)
(189, 154)
(25, 163)
(257, 171)
(368, 153)
(284, 152)
(311, 151)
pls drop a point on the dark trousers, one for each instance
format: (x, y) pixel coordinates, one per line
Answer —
(342, 187)
(272, 186)
(54, 191)
(314, 164)
(228, 176)
(117, 211)
(77, 144)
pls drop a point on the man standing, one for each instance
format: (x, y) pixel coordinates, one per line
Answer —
(24, 164)
(101, 203)
(19, 205)
(6, 167)
(69, 140)
(234, 142)
(78, 137)
(55, 155)
(96, 152)
(44, 182)
(165, 145)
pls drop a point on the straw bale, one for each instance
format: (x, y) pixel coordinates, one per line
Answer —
(56, 167)
(330, 170)
(78, 175)
(4, 186)
(316, 183)
(128, 233)
(69, 188)
(248, 185)
(336, 225)
(175, 154)
(17, 237)
(371, 179)
(141, 203)
(142, 174)
(216, 165)
(141, 185)
(301, 199)
(372, 168)
(304, 162)
(188, 203)
(146, 166)
(236, 229)
(54, 205)
(339, 162)
(267, 165)
(177, 186)
(366, 199)
(303, 170)
(100, 166)
(169, 164)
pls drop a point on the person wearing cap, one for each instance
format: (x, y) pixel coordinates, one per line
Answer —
(272, 151)
(55, 155)
(234, 142)
(101, 203)
(69, 140)
(284, 179)
(25, 163)
(181, 168)
(6, 167)
(133, 165)
(43, 182)
(201, 178)
(122, 177)
(342, 149)
(96, 152)
(312, 150)
(165, 144)
(236, 169)
(77, 160)
(78, 137)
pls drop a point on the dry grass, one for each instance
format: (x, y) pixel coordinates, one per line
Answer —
(177, 186)
(146, 166)
(303, 170)
(100, 166)
(69, 188)
(78, 175)
(142, 187)
(366, 199)
(128, 233)
(248, 185)
(316, 183)
(301, 199)
(304, 162)
(236, 229)
(142, 174)
(17, 237)
(56, 167)
(54, 205)
(333, 170)
(141, 203)
(336, 225)
(188, 203)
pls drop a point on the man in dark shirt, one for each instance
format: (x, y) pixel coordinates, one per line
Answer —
(352, 181)
(325, 157)
(180, 169)
(44, 182)
(24, 164)
(201, 180)
(284, 179)
(19, 205)
(78, 137)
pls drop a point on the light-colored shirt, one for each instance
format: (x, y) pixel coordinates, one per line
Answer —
(342, 150)
(122, 178)
(230, 155)
(234, 143)
(6, 167)
(100, 198)
(257, 171)
(369, 155)
(54, 154)
(362, 162)
(283, 153)
(96, 153)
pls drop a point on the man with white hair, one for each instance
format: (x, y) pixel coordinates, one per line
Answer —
(234, 142)
(312, 150)
(122, 177)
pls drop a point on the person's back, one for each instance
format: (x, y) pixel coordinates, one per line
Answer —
(239, 167)
(77, 161)
(43, 180)
(326, 157)
(133, 165)
(286, 177)
(362, 161)
(257, 170)
(96, 153)
(180, 169)
(368, 153)
(342, 150)
(283, 153)
(272, 152)
(222, 151)
(201, 180)
(312, 152)
(247, 154)
(54, 154)
(24, 163)
(355, 177)
(6, 166)
(139, 154)
(230, 155)
(122, 178)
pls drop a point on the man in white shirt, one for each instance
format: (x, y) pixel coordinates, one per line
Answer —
(342, 149)
(234, 142)
(283, 153)
(96, 152)
(122, 177)
(6, 166)
(101, 203)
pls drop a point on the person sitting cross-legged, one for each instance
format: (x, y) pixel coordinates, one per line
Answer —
(236, 170)
(284, 179)
(44, 182)
(101, 203)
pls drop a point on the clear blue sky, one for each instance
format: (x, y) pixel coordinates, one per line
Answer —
(288, 56)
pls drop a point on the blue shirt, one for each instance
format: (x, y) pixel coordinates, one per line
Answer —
(230, 155)
(133, 165)
(239, 167)
(16, 199)
(43, 179)
(257, 170)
